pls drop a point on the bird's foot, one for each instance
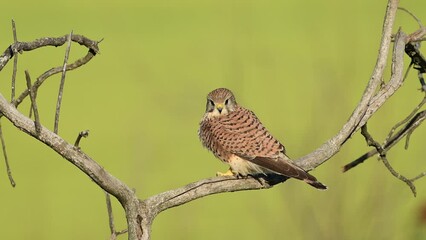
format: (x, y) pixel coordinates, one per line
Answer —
(227, 173)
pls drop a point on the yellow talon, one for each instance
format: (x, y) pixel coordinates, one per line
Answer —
(227, 173)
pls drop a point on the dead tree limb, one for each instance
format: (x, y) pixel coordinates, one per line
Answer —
(412, 121)
(140, 214)
(370, 101)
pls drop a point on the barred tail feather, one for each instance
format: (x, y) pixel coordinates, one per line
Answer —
(289, 169)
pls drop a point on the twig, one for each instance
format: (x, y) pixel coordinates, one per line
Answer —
(399, 176)
(9, 172)
(114, 233)
(81, 134)
(417, 120)
(33, 103)
(15, 62)
(417, 36)
(61, 86)
(382, 152)
(412, 15)
(50, 73)
(409, 127)
(43, 42)
(110, 215)
(397, 125)
(418, 176)
(78, 158)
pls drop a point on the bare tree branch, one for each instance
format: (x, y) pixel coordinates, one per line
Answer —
(33, 102)
(114, 233)
(382, 152)
(74, 155)
(394, 139)
(418, 176)
(209, 186)
(43, 42)
(15, 62)
(405, 120)
(366, 106)
(412, 15)
(6, 160)
(140, 214)
(81, 134)
(110, 215)
(80, 62)
(61, 86)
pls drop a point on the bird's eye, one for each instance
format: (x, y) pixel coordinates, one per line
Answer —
(226, 101)
(209, 105)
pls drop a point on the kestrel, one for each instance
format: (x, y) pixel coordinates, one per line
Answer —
(236, 136)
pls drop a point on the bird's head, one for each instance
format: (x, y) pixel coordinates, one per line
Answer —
(220, 102)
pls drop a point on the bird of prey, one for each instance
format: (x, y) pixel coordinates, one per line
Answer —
(237, 137)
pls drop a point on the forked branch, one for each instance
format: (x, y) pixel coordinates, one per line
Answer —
(141, 213)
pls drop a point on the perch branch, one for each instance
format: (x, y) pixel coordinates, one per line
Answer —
(209, 186)
(363, 112)
(141, 213)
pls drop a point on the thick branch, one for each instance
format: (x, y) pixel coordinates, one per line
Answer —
(140, 214)
(363, 111)
(209, 186)
(155, 204)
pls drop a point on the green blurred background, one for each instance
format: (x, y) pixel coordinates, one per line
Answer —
(300, 65)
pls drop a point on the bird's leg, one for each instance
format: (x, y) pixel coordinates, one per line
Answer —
(260, 178)
(227, 173)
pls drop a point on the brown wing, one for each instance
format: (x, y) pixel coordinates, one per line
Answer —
(241, 133)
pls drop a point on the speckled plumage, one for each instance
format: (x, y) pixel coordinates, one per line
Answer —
(236, 136)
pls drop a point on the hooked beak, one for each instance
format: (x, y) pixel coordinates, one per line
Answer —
(219, 107)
